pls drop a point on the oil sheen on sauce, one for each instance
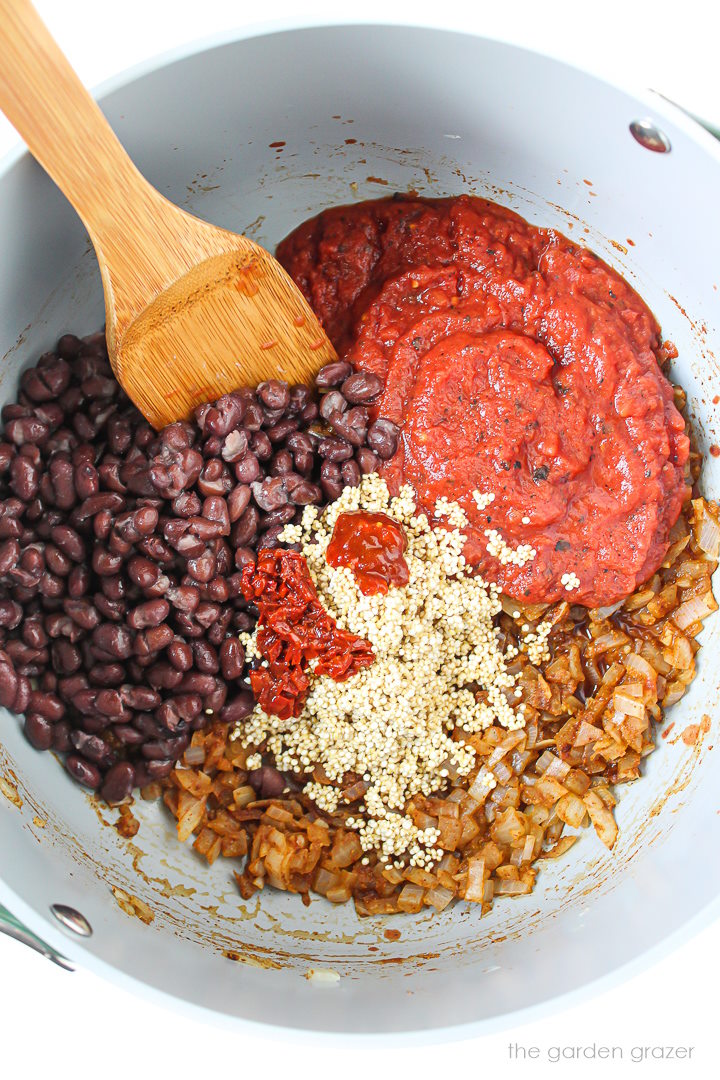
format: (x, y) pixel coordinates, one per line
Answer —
(516, 363)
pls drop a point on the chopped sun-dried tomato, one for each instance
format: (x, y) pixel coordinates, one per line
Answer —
(294, 628)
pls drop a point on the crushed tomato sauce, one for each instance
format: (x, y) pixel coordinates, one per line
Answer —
(294, 628)
(372, 546)
(515, 362)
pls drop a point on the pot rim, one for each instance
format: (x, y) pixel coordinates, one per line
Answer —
(75, 951)
(652, 99)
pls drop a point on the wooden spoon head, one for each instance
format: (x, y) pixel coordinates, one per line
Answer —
(233, 320)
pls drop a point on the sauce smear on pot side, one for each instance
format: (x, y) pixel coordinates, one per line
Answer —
(517, 364)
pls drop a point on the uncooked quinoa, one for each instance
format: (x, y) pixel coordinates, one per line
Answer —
(392, 638)
(392, 723)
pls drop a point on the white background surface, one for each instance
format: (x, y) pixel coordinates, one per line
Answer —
(57, 1024)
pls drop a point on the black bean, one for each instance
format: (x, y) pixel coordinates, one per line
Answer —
(361, 387)
(282, 463)
(206, 614)
(114, 640)
(109, 702)
(205, 657)
(27, 429)
(81, 770)
(232, 658)
(142, 571)
(140, 698)
(10, 614)
(277, 518)
(128, 735)
(334, 449)
(163, 676)
(332, 403)
(78, 581)
(104, 675)
(270, 494)
(66, 658)
(196, 682)
(215, 478)
(61, 737)
(215, 509)
(215, 699)
(238, 500)
(352, 425)
(333, 374)
(274, 393)
(49, 706)
(202, 568)
(331, 480)
(244, 557)
(383, 438)
(305, 493)
(350, 472)
(158, 770)
(367, 460)
(118, 783)
(163, 749)
(113, 610)
(248, 469)
(57, 562)
(267, 781)
(299, 397)
(38, 731)
(93, 747)
(180, 655)
(261, 447)
(151, 613)
(253, 419)
(82, 612)
(186, 504)
(223, 416)
(280, 431)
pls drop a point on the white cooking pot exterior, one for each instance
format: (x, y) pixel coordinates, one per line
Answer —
(442, 113)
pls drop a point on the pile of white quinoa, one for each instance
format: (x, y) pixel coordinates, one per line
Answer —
(392, 723)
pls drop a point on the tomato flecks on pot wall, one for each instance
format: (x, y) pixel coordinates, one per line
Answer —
(517, 364)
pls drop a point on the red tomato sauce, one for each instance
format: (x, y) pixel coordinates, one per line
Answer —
(372, 546)
(294, 628)
(515, 362)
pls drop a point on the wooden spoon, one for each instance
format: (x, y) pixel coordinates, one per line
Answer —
(193, 311)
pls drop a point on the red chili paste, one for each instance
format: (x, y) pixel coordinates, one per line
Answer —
(293, 628)
(372, 545)
(516, 362)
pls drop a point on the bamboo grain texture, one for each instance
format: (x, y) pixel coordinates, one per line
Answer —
(192, 311)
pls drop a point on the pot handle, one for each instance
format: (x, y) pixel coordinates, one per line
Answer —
(11, 927)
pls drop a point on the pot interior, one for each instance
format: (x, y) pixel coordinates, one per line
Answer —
(360, 112)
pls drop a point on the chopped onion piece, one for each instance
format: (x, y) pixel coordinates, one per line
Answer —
(628, 704)
(601, 817)
(411, 898)
(694, 610)
(439, 897)
(475, 889)
(706, 529)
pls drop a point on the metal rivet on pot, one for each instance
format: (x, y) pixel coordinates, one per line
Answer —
(650, 136)
(72, 920)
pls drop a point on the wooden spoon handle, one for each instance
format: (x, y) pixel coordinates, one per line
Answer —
(65, 130)
(62, 125)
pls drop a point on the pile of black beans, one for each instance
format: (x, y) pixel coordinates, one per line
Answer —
(121, 550)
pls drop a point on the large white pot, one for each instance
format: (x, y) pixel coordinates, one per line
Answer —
(363, 111)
